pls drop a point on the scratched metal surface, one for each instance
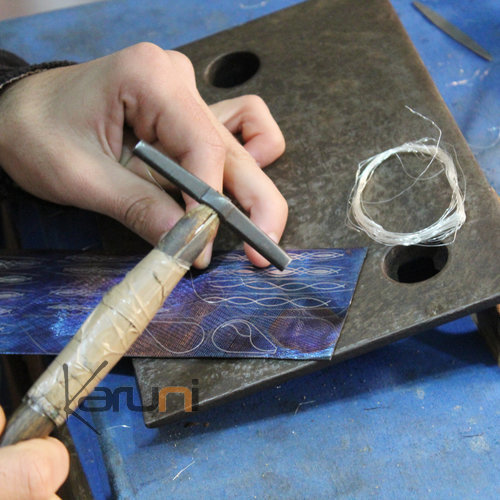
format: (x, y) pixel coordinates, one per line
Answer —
(230, 310)
(338, 76)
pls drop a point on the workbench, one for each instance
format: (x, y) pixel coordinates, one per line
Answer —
(418, 418)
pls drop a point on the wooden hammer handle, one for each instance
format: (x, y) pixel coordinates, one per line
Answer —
(114, 325)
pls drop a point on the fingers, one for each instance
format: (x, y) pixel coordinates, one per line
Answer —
(110, 189)
(2, 420)
(65, 134)
(263, 143)
(142, 169)
(257, 194)
(33, 469)
(249, 116)
(164, 105)
(205, 147)
(161, 102)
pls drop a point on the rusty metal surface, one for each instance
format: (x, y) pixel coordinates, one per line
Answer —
(337, 75)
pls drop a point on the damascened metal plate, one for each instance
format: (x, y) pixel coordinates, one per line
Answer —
(337, 76)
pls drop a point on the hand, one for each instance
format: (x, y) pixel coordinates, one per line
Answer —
(33, 469)
(61, 138)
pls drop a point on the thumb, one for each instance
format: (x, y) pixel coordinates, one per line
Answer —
(33, 469)
(111, 189)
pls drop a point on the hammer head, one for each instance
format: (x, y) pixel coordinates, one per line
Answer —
(225, 209)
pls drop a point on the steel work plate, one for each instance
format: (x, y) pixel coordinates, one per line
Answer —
(337, 76)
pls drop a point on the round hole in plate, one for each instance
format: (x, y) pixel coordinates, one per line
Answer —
(413, 264)
(232, 69)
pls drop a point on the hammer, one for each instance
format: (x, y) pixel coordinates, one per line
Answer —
(127, 308)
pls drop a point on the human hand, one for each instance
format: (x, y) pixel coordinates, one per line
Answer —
(61, 137)
(33, 469)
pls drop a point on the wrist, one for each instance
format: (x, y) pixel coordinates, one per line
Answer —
(10, 75)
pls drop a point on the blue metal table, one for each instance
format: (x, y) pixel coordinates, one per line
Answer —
(419, 418)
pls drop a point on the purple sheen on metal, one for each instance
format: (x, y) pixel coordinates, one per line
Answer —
(232, 310)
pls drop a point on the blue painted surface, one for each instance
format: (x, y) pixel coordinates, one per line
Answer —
(469, 85)
(94, 30)
(417, 419)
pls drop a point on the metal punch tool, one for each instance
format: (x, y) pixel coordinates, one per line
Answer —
(127, 308)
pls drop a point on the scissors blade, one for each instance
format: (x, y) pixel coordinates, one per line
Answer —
(452, 31)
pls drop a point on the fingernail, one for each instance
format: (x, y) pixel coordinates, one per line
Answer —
(204, 258)
(274, 237)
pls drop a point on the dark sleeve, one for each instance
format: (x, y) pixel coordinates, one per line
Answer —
(13, 68)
